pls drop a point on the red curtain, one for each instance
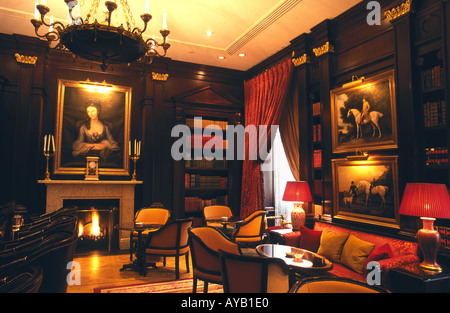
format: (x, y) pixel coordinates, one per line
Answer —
(264, 99)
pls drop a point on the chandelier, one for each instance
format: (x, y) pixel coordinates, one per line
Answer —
(103, 42)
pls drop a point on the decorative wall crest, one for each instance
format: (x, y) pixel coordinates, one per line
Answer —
(399, 11)
(300, 60)
(326, 48)
(160, 76)
(25, 59)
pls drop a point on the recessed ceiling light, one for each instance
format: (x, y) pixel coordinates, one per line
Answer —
(241, 54)
(221, 57)
(209, 33)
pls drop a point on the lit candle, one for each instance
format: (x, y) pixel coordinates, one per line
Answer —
(36, 12)
(129, 147)
(147, 6)
(53, 143)
(164, 20)
(45, 143)
(139, 149)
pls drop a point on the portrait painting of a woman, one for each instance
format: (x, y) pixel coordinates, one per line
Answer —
(94, 138)
(92, 122)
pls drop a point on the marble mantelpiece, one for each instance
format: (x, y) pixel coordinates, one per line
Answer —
(60, 190)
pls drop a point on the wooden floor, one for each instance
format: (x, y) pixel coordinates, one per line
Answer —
(103, 270)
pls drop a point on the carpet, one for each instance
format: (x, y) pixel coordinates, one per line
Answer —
(173, 286)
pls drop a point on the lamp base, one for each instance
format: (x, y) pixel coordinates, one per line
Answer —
(298, 216)
(429, 242)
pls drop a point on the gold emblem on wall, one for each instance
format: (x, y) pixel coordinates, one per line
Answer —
(25, 59)
(399, 11)
(300, 60)
(326, 48)
(160, 76)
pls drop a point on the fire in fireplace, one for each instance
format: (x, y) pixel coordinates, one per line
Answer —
(96, 221)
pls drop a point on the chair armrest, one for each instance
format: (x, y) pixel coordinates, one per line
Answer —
(398, 261)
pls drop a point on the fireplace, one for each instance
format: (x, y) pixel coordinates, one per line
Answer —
(59, 191)
(96, 221)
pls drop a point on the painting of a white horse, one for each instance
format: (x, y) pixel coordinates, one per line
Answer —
(366, 190)
(373, 118)
(363, 115)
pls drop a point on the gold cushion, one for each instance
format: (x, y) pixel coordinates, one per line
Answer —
(355, 253)
(331, 244)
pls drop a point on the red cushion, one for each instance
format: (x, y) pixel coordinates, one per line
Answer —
(310, 239)
(379, 253)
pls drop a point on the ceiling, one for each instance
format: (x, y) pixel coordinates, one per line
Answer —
(258, 28)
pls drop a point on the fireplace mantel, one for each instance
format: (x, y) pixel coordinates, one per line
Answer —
(60, 190)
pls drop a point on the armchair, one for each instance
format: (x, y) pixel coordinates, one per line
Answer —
(171, 240)
(216, 212)
(205, 243)
(334, 285)
(251, 230)
(252, 274)
(147, 216)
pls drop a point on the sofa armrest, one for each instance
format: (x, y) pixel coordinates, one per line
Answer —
(398, 261)
(292, 239)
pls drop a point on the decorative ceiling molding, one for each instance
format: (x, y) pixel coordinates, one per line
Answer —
(262, 24)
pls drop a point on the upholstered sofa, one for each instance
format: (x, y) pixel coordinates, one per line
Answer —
(351, 250)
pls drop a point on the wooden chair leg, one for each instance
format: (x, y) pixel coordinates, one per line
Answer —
(194, 285)
(187, 262)
(164, 261)
(177, 267)
(205, 287)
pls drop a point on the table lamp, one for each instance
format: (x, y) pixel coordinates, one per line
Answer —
(297, 192)
(428, 201)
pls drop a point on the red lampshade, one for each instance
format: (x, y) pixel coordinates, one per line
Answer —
(297, 191)
(426, 200)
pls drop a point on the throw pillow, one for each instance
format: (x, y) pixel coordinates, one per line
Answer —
(379, 253)
(310, 239)
(355, 253)
(331, 244)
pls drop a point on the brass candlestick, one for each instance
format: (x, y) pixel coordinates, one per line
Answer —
(134, 158)
(48, 155)
(135, 155)
(49, 151)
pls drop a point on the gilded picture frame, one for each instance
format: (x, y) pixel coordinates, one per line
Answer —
(93, 119)
(363, 115)
(366, 191)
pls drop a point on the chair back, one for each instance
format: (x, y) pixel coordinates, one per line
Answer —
(205, 243)
(216, 211)
(25, 280)
(334, 285)
(152, 216)
(172, 237)
(251, 229)
(253, 274)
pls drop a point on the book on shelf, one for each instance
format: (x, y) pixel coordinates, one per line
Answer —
(202, 181)
(190, 122)
(436, 156)
(199, 141)
(317, 158)
(193, 204)
(207, 164)
(316, 108)
(317, 132)
(433, 77)
(435, 113)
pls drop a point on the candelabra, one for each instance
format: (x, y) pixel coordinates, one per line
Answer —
(135, 156)
(49, 152)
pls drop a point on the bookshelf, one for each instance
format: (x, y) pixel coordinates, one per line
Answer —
(200, 181)
(433, 118)
(317, 149)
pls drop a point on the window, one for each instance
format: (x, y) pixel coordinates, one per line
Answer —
(276, 173)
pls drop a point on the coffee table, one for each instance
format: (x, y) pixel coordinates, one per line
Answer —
(310, 264)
